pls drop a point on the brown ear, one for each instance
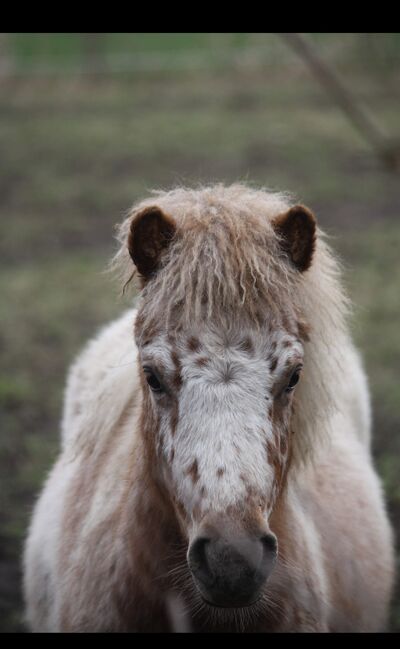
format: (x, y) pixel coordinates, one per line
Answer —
(151, 232)
(296, 229)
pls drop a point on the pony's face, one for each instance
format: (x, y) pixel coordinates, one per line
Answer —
(218, 396)
(221, 403)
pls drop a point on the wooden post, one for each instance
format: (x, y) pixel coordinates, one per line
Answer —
(386, 149)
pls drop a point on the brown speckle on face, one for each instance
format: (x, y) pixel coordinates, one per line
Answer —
(220, 472)
(193, 344)
(177, 378)
(175, 359)
(246, 346)
(203, 492)
(274, 363)
(171, 338)
(172, 455)
(249, 490)
(287, 343)
(193, 471)
(202, 361)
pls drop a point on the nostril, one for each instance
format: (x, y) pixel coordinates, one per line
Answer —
(197, 557)
(270, 543)
(270, 547)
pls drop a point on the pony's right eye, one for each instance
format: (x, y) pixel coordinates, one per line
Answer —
(152, 380)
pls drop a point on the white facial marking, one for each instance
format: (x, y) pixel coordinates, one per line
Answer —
(215, 430)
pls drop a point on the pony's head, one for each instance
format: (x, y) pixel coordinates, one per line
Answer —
(221, 333)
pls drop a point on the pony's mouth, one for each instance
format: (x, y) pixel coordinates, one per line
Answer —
(223, 597)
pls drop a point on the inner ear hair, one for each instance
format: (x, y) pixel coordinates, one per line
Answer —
(151, 232)
(296, 230)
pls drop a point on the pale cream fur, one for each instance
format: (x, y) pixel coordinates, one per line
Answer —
(333, 508)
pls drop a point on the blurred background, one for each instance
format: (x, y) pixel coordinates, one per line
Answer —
(89, 123)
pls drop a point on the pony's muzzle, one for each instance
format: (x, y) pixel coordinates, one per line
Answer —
(232, 572)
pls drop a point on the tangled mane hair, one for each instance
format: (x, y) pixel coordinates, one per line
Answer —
(226, 258)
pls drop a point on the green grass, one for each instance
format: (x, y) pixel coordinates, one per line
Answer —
(76, 154)
(382, 51)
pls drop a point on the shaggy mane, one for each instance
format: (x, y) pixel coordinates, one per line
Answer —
(226, 259)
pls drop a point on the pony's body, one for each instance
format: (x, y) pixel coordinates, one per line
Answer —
(106, 542)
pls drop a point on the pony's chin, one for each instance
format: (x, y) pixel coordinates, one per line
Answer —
(230, 606)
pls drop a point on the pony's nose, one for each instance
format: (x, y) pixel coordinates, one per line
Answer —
(231, 573)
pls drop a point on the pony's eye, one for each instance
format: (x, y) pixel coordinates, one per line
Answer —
(152, 380)
(294, 379)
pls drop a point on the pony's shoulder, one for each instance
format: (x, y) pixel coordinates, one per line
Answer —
(101, 378)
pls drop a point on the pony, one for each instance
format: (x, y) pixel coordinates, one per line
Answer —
(215, 471)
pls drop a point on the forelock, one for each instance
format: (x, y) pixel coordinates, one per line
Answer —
(225, 256)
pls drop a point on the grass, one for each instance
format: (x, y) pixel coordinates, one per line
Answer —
(76, 154)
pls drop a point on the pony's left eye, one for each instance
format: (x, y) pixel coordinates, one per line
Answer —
(294, 379)
(152, 380)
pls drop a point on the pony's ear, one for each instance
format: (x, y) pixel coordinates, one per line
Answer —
(150, 234)
(297, 234)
